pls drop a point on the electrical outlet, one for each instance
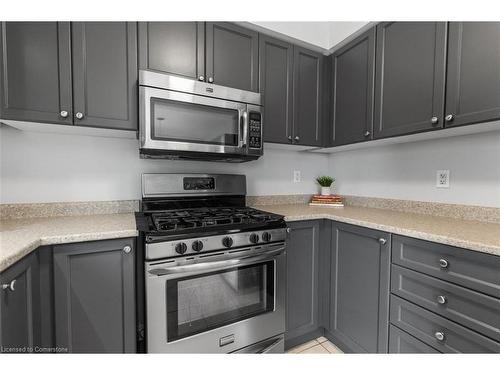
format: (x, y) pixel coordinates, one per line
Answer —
(296, 176)
(443, 178)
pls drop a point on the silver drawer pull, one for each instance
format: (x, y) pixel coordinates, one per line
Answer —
(441, 300)
(443, 263)
(127, 249)
(439, 336)
(382, 241)
(10, 286)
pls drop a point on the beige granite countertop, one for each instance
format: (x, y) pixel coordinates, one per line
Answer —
(19, 237)
(469, 234)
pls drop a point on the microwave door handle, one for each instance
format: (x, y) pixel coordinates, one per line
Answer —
(244, 132)
(215, 265)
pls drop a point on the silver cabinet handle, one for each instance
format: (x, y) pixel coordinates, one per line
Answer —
(449, 117)
(201, 78)
(10, 286)
(439, 336)
(443, 263)
(297, 138)
(434, 120)
(63, 114)
(288, 230)
(441, 300)
(382, 241)
(289, 138)
(367, 133)
(79, 115)
(127, 249)
(210, 79)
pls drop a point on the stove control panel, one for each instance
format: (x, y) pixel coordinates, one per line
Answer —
(193, 246)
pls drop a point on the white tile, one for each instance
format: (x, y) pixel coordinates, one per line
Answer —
(321, 339)
(331, 348)
(318, 349)
(302, 347)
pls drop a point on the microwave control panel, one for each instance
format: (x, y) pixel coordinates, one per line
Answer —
(255, 130)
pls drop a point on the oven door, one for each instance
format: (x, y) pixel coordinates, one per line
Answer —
(180, 122)
(217, 305)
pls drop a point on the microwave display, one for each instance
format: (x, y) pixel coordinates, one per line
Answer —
(255, 130)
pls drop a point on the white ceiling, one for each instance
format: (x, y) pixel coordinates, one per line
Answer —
(322, 34)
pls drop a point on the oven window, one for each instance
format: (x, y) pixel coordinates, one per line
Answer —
(200, 303)
(194, 123)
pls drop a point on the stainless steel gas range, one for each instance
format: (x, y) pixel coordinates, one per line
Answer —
(214, 268)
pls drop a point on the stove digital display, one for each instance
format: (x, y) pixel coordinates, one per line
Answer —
(199, 183)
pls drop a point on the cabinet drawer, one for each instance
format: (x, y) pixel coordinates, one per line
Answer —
(474, 310)
(402, 342)
(425, 326)
(467, 268)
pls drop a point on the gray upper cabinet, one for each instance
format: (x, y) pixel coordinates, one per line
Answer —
(307, 90)
(302, 280)
(276, 74)
(173, 47)
(410, 77)
(95, 296)
(353, 70)
(35, 72)
(359, 299)
(105, 74)
(232, 56)
(20, 306)
(473, 75)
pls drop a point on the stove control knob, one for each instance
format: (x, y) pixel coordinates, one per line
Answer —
(266, 236)
(197, 245)
(254, 238)
(180, 248)
(227, 241)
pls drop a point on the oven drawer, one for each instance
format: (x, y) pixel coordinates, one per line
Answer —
(474, 310)
(440, 333)
(402, 342)
(467, 268)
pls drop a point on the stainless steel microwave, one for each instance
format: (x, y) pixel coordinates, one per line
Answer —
(181, 118)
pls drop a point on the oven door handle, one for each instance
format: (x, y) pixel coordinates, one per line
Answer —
(217, 265)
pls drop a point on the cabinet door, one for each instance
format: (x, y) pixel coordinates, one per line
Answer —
(105, 74)
(410, 77)
(352, 96)
(359, 300)
(173, 47)
(35, 72)
(20, 306)
(473, 75)
(307, 72)
(302, 279)
(94, 289)
(276, 62)
(232, 56)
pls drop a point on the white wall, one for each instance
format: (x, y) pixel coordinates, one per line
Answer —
(42, 167)
(321, 34)
(408, 171)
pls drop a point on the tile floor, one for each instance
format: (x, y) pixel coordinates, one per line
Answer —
(321, 345)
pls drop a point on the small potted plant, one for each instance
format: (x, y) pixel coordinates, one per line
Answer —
(325, 182)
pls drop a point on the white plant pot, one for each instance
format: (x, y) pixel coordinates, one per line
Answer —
(326, 190)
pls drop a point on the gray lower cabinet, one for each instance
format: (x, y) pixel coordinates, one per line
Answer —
(35, 72)
(276, 83)
(302, 280)
(410, 77)
(353, 70)
(20, 329)
(440, 333)
(359, 297)
(473, 75)
(232, 56)
(105, 74)
(401, 342)
(307, 97)
(173, 47)
(94, 292)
